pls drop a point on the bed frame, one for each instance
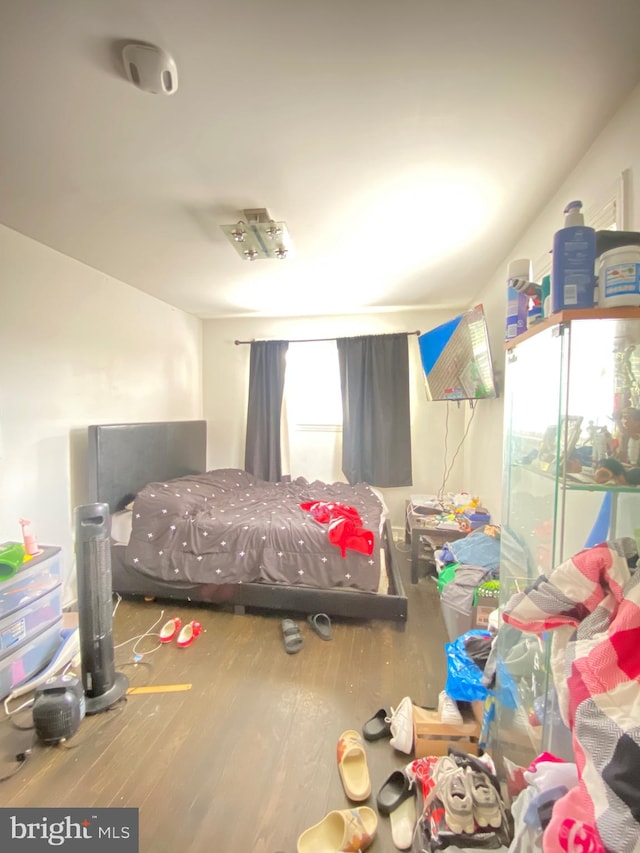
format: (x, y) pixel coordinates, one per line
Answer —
(125, 457)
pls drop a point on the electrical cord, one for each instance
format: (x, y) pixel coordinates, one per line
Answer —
(447, 470)
(137, 656)
(21, 758)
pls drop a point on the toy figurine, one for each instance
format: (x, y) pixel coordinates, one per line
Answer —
(612, 469)
(628, 421)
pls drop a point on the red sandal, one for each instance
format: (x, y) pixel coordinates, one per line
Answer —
(188, 634)
(169, 630)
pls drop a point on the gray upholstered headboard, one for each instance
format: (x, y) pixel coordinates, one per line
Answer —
(125, 457)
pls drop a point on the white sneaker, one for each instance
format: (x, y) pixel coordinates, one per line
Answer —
(448, 710)
(401, 721)
(452, 787)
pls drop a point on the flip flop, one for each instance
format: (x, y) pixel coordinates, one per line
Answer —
(348, 830)
(291, 636)
(352, 766)
(377, 726)
(321, 624)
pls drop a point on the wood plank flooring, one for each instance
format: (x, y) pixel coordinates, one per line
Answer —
(245, 760)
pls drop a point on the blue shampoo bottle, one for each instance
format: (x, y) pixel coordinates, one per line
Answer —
(574, 258)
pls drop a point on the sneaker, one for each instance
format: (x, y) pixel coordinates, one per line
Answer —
(448, 710)
(453, 790)
(401, 724)
(486, 804)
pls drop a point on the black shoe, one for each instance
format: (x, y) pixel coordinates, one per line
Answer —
(378, 726)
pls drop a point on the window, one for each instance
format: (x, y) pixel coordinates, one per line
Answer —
(312, 385)
(313, 406)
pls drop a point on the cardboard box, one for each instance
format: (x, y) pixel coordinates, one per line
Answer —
(433, 737)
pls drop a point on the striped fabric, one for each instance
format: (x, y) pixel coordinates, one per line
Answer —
(596, 594)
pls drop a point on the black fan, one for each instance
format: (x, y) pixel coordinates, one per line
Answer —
(103, 686)
(58, 708)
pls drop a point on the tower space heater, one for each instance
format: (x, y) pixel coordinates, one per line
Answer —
(103, 686)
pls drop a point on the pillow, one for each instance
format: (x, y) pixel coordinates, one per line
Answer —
(378, 494)
(121, 525)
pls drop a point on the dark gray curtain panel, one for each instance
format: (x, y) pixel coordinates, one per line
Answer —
(262, 455)
(376, 427)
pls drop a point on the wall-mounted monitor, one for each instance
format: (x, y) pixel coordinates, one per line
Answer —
(456, 359)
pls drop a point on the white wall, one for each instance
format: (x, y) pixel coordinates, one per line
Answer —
(616, 150)
(226, 378)
(76, 348)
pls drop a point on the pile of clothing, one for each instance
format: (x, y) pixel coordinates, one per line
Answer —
(591, 605)
(467, 564)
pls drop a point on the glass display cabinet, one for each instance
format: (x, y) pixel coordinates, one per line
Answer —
(570, 479)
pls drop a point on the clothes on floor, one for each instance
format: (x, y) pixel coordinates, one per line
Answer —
(459, 592)
(477, 549)
(592, 604)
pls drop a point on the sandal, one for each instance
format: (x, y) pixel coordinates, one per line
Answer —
(352, 766)
(403, 824)
(394, 791)
(377, 726)
(348, 830)
(291, 636)
(321, 624)
(396, 799)
(188, 634)
(169, 630)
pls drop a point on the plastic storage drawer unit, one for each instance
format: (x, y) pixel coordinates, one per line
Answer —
(35, 577)
(29, 658)
(25, 623)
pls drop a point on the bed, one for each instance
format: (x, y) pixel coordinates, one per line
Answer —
(153, 477)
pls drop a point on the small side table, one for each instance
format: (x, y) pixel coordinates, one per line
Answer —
(426, 538)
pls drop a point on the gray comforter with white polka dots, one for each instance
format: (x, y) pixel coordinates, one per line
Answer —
(226, 526)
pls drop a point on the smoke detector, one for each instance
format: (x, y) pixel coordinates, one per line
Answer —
(150, 68)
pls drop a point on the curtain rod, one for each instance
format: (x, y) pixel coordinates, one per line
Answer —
(317, 340)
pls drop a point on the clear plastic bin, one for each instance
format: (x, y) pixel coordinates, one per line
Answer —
(21, 625)
(37, 576)
(29, 658)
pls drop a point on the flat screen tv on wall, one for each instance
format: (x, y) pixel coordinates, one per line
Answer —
(456, 359)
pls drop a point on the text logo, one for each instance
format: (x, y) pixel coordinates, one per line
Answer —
(74, 830)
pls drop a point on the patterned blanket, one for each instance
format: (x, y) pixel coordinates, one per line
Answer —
(592, 601)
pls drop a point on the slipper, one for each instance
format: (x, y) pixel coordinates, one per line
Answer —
(352, 766)
(403, 824)
(321, 624)
(291, 636)
(169, 630)
(396, 799)
(394, 791)
(188, 634)
(378, 726)
(348, 830)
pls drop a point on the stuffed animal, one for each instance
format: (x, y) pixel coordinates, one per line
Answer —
(612, 469)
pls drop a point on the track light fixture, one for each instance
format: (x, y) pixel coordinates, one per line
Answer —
(257, 236)
(239, 233)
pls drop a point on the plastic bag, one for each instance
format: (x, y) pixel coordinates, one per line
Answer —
(464, 677)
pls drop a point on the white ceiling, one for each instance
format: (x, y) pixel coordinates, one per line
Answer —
(405, 143)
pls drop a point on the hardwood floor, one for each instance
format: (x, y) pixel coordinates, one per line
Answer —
(244, 761)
